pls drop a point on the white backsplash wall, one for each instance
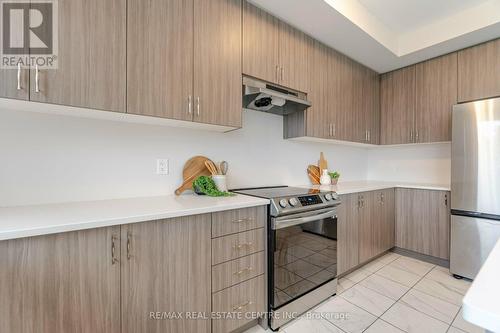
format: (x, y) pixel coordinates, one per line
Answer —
(49, 158)
(424, 163)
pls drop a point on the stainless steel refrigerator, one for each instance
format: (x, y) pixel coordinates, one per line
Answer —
(475, 185)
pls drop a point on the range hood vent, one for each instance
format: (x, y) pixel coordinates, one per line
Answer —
(262, 96)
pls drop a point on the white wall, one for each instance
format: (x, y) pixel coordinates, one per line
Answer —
(48, 158)
(427, 163)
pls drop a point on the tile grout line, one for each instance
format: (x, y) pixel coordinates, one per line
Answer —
(380, 317)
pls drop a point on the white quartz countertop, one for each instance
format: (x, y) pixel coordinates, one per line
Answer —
(481, 304)
(368, 185)
(25, 221)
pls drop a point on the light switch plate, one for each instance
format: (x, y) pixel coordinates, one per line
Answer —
(162, 167)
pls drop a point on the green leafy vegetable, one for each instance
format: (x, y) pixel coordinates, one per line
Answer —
(206, 185)
(334, 175)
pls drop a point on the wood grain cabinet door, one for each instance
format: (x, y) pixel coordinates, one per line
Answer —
(91, 69)
(166, 267)
(261, 35)
(388, 221)
(348, 233)
(397, 106)
(217, 62)
(160, 58)
(61, 283)
(423, 221)
(295, 49)
(340, 96)
(479, 72)
(365, 104)
(9, 87)
(436, 93)
(369, 223)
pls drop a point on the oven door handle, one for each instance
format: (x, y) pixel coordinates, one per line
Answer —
(280, 224)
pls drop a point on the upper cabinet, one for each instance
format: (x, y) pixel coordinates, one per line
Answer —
(416, 102)
(160, 52)
(479, 72)
(91, 57)
(397, 106)
(273, 50)
(217, 62)
(436, 93)
(176, 51)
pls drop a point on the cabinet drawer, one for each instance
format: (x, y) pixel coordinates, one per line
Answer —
(233, 272)
(242, 300)
(238, 245)
(233, 221)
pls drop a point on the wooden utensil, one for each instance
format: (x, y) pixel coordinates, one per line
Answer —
(322, 163)
(193, 168)
(211, 167)
(314, 174)
(224, 166)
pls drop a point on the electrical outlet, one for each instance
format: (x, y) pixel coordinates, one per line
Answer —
(162, 167)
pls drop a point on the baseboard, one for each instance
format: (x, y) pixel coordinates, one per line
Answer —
(423, 257)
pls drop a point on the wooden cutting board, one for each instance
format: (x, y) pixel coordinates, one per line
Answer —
(314, 174)
(193, 168)
(322, 163)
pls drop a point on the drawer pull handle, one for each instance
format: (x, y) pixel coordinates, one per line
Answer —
(249, 219)
(243, 270)
(114, 259)
(241, 246)
(241, 306)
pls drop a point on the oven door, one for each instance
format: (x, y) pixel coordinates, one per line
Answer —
(302, 254)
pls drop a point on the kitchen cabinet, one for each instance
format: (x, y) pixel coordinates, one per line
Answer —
(91, 57)
(274, 51)
(479, 72)
(261, 35)
(365, 105)
(436, 93)
(198, 41)
(68, 282)
(217, 62)
(397, 106)
(14, 83)
(367, 225)
(423, 221)
(166, 267)
(348, 233)
(160, 53)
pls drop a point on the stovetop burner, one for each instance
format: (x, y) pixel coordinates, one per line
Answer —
(276, 191)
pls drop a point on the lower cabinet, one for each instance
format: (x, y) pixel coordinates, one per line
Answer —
(365, 227)
(166, 269)
(68, 282)
(423, 221)
(348, 233)
(239, 264)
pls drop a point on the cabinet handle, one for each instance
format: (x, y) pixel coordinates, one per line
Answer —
(198, 106)
(241, 306)
(446, 200)
(277, 73)
(329, 129)
(190, 105)
(334, 130)
(382, 199)
(241, 246)
(129, 245)
(411, 135)
(37, 79)
(243, 270)
(19, 76)
(248, 219)
(416, 135)
(282, 74)
(114, 259)
(369, 136)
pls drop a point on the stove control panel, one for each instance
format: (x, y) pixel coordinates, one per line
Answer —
(307, 202)
(310, 200)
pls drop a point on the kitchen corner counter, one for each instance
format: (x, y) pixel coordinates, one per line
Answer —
(481, 303)
(26, 221)
(368, 185)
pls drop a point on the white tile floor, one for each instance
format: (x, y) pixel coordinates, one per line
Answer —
(391, 294)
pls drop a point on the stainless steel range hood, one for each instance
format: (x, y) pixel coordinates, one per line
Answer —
(262, 96)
